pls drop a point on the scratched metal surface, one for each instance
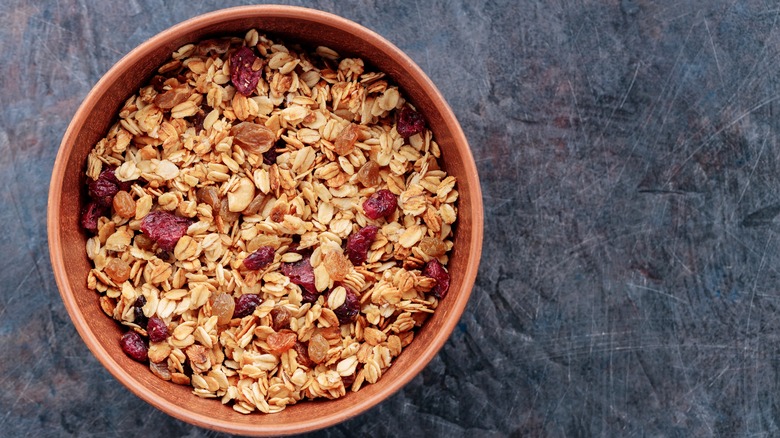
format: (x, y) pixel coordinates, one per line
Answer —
(629, 161)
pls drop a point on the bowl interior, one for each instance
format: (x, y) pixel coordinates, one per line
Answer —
(97, 113)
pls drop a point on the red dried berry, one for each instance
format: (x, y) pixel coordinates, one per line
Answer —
(410, 122)
(348, 311)
(133, 345)
(157, 329)
(246, 305)
(381, 204)
(244, 73)
(89, 218)
(302, 274)
(164, 228)
(260, 258)
(103, 189)
(359, 243)
(435, 270)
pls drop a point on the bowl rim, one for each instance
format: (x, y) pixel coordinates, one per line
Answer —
(55, 235)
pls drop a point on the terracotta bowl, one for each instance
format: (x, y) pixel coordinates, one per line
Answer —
(91, 123)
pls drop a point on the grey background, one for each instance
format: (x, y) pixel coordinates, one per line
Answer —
(629, 162)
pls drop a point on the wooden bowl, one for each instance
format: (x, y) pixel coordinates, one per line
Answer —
(98, 112)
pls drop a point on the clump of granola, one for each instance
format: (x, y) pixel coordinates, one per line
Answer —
(270, 224)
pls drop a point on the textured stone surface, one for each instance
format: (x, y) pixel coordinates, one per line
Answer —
(630, 166)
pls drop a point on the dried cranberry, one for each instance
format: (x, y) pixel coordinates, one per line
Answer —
(138, 312)
(243, 72)
(103, 189)
(381, 204)
(164, 228)
(157, 329)
(302, 274)
(348, 311)
(410, 122)
(359, 243)
(435, 270)
(90, 216)
(133, 345)
(246, 305)
(260, 258)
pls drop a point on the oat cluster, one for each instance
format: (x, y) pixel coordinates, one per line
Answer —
(227, 217)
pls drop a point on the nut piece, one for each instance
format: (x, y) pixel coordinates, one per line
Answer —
(240, 197)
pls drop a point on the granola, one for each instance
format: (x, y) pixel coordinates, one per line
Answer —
(261, 216)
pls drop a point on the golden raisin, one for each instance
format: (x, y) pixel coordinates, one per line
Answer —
(118, 270)
(345, 141)
(224, 212)
(280, 342)
(124, 205)
(253, 137)
(337, 265)
(368, 175)
(281, 318)
(331, 334)
(223, 307)
(143, 242)
(255, 205)
(172, 97)
(303, 354)
(432, 246)
(209, 196)
(318, 348)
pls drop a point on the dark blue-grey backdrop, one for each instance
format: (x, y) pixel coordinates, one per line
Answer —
(628, 152)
